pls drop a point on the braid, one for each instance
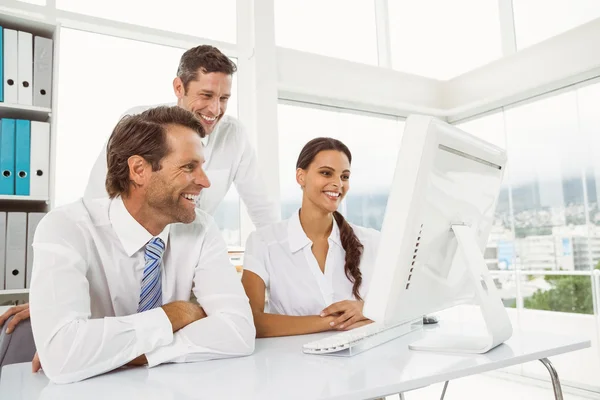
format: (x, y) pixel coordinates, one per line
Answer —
(354, 249)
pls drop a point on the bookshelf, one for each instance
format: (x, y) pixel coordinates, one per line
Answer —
(37, 203)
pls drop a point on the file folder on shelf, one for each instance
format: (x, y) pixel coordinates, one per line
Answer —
(11, 79)
(22, 152)
(42, 72)
(16, 242)
(33, 219)
(2, 247)
(25, 66)
(1, 73)
(7, 156)
(40, 159)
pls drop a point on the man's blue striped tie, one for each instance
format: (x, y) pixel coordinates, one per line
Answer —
(151, 295)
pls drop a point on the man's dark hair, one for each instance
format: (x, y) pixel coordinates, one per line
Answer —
(205, 58)
(145, 135)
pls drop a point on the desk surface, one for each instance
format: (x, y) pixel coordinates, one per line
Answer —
(278, 369)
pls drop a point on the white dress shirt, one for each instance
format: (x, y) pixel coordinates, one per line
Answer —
(230, 158)
(281, 254)
(88, 262)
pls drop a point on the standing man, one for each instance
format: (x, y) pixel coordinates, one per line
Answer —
(112, 276)
(203, 86)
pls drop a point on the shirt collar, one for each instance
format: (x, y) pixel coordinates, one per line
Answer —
(132, 235)
(297, 238)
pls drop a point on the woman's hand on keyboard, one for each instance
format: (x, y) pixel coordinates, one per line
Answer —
(358, 324)
(347, 313)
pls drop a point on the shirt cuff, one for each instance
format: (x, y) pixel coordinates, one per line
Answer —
(176, 351)
(153, 329)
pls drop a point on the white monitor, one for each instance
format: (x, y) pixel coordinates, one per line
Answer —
(436, 225)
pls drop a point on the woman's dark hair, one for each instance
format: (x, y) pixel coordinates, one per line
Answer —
(350, 242)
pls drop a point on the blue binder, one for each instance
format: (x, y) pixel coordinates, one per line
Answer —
(1, 65)
(7, 156)
(22, 157)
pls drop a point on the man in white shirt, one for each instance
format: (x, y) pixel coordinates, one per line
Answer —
(112, 276)
(203, 86)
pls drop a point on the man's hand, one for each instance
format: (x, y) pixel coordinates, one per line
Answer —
(20, 313)
(183, 313)
(35, 363)
(347, 313)
(141, 360)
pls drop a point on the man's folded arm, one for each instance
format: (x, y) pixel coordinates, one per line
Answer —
(71, 345)
(228, 330)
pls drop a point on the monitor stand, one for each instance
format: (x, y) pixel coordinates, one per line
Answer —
(499, 328)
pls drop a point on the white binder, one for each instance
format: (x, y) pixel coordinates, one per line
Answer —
(2, 247)
(42, 71)
(33, 219)
(25, 66)
(11, 69)
(39, 159)
(16, 242)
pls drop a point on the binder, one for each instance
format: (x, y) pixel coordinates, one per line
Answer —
(10, 66)
(16, 241)
(7, 156)
(39, 159)
(1, 73)
(22, 153)
(25, 66)
(2, 247)
(33, 219)
(42, 72)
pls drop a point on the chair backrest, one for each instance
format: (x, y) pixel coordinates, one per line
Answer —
(18, 346)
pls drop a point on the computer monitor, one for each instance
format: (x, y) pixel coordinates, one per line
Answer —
(438, 217)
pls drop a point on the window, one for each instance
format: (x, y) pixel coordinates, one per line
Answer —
(538, 20)
(547, 154)
(203, 18)
(588, 99)
(334, 28)
(374, 142)
(118, 74)
(546, 158)
(442, 39)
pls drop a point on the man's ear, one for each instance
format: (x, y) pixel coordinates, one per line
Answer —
(139, 170)
(178, 88)
(300, 177)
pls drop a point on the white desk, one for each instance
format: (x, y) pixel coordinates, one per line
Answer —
(279, 370)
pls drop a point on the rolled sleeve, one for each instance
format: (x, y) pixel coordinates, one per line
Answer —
(228, 329)
(262, 208)
(254, 257)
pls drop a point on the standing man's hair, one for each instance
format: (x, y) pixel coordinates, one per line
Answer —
(145, 135)
(205, 58)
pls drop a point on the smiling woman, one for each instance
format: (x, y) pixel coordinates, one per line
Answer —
(374, 140)
(311, 265)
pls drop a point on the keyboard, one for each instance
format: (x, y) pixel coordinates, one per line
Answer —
(357, 340)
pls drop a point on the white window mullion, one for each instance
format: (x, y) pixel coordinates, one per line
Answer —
(382, 22)
(507, 27)
(258, 93)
